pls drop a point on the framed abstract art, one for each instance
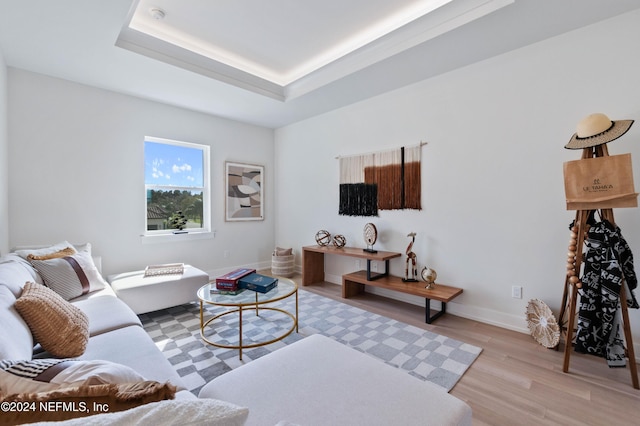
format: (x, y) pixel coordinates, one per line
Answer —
(244, 192)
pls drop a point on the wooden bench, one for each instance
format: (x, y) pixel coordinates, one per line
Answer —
(354, 283)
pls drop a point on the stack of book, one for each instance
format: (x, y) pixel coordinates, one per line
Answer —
(230, 282)
(244, 279)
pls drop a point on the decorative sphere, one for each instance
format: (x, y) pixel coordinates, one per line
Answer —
(323, 238)
(339, 241)
(428, 275)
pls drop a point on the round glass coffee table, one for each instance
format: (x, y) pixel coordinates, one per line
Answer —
(247, 300)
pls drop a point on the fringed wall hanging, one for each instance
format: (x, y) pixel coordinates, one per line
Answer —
(387, 180)
(357, 198)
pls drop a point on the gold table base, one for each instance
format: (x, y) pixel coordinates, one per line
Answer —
(240, 310)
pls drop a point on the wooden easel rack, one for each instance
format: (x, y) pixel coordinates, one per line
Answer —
(572, 283)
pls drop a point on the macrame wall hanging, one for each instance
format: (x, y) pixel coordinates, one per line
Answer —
(386, 180)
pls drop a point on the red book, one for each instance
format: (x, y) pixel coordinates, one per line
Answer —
(229, 281)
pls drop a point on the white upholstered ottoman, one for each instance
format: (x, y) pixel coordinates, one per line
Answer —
(146, 294)
(318, 381)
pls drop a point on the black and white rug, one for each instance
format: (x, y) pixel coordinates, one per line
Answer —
(421, 353)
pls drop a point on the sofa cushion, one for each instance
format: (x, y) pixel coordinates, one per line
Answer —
(71, 275)
(133, 347)
(15, 272)
(83, 401)
(106, 313)
(17, 341)
(107, 291)
(61, 328)
(41, 375)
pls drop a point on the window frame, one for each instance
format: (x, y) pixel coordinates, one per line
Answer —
(174, 234)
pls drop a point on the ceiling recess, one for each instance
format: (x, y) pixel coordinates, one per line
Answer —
(285, 51)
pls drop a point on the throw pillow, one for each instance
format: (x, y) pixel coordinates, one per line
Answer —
(60, 253)
(70, 276)
(84, 401)
(16, 341)
(41, 375)
(24, 253)
(61, 328)
(279, 251)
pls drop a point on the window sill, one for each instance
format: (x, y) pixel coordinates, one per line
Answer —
(172, 238)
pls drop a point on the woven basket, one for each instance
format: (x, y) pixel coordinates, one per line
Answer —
(282, 265)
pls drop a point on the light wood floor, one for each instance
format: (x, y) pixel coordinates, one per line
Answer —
(516, 381)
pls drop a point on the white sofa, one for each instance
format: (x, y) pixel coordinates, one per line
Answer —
(116, 333)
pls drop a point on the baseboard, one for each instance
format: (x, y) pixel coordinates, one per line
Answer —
(334, 279)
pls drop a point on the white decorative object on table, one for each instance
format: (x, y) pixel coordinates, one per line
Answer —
(370, 234)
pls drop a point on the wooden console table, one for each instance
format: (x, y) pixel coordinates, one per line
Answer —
(313, 261)
(353, 284)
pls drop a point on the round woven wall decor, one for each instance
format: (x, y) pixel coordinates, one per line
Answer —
(542, 324)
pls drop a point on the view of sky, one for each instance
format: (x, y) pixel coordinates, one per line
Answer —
(172, 165)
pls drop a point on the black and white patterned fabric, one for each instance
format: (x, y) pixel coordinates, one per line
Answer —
(29, 369)
(608, 265)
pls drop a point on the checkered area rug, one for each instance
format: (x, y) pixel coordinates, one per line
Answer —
(421, 353)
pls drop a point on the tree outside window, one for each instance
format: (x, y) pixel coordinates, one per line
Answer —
(176, 186)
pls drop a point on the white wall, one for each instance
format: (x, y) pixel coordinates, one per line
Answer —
(493, 197)
(77, 174)
(4, 161)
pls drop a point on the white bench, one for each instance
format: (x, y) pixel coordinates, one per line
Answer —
(318, 381)
(147, 294)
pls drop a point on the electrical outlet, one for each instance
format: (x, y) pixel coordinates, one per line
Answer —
(374, 266)
(516, 292)
(226, 254)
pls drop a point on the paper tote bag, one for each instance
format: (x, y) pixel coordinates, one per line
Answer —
(600, 183)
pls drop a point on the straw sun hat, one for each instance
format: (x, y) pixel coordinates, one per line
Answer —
(596, 129)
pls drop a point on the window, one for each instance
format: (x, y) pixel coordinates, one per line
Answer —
(176, 178)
